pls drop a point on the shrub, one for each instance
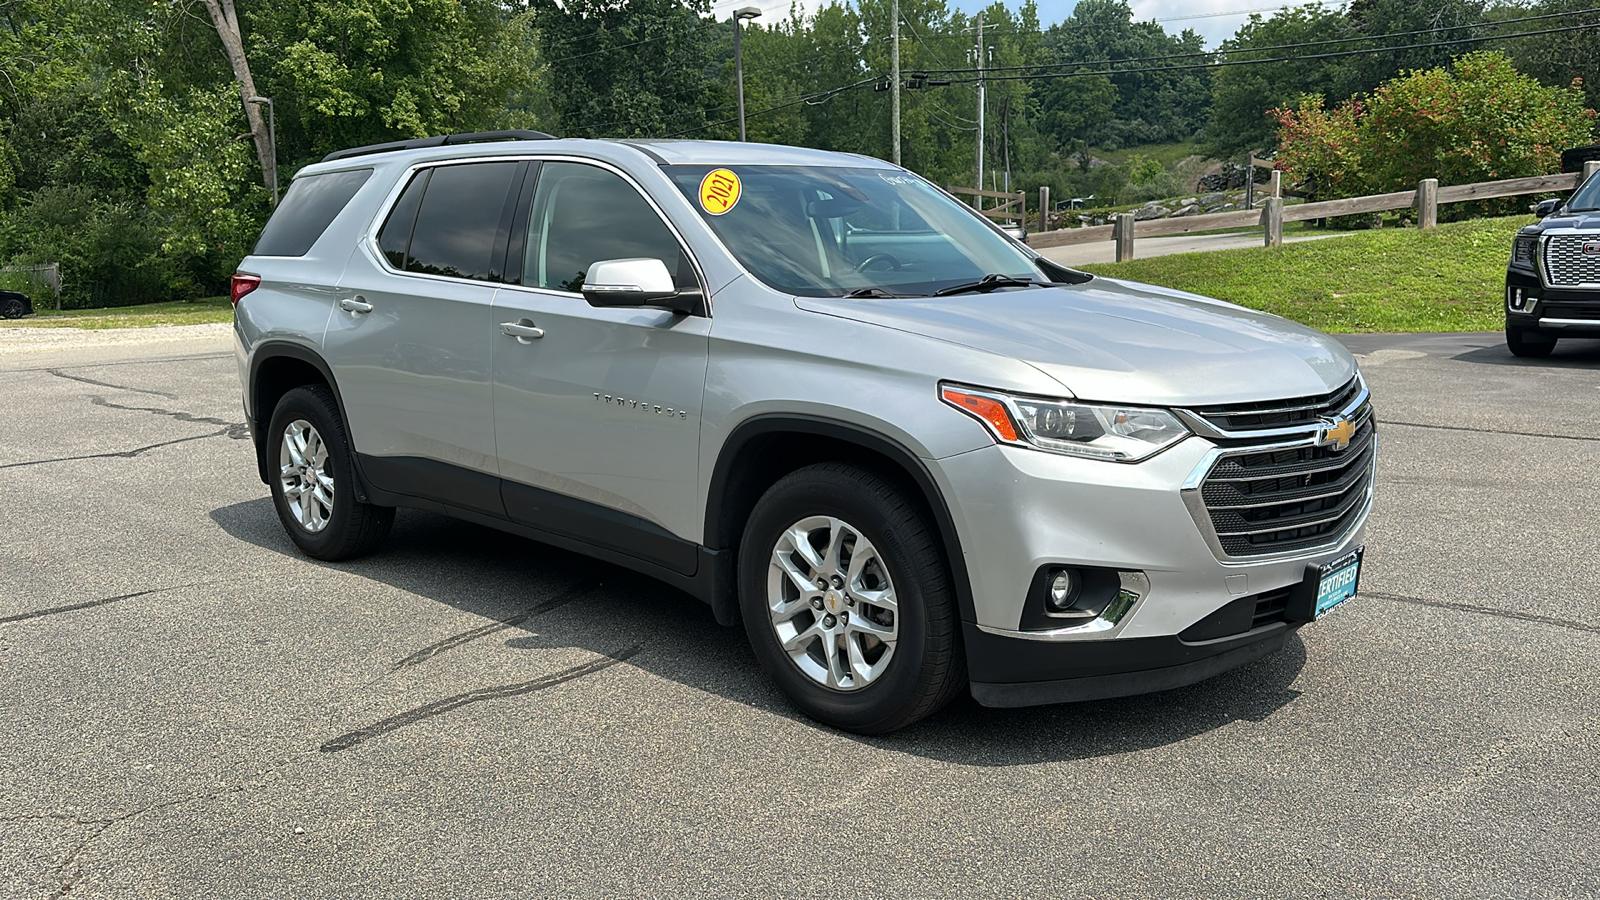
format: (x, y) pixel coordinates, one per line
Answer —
(1483, 121)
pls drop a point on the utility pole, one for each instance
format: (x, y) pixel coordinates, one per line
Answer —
(979, 62)
(894, 67)
(739, 15)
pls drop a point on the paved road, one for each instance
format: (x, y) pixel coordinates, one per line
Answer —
(193, 710)
(1106, 251)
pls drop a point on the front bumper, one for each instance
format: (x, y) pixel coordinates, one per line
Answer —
(1552, 312)
(1198, 613)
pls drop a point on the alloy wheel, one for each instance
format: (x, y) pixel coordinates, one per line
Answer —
(832, 603)
(306, 476)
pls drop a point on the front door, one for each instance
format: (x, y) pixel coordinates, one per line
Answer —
(597, 419)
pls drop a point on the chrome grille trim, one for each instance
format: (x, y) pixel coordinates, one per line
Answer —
(1292, 417)
(1565, 263)
(1239, 494)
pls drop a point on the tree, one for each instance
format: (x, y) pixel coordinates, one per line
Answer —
(635, 68)
(1480, 120)
(1157, 99)
(1242, 96)
(226, 22)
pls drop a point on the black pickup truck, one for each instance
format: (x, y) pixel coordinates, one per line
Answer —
(1553, 279)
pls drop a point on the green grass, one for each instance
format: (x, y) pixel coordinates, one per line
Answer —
(1449, 279)
(198, 312)
(1168, 155)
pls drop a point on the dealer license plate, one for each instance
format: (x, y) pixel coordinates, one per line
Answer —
(1338, 581)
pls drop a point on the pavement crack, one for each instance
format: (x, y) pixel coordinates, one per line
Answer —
(236, 430)
(130, 454)
(440, 707)
(1488, 611)
(1532, 434)
(121, 387)
(58, 817)
(105, 825)
(90, 604)
(576, 591)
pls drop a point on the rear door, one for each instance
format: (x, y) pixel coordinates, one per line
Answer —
(597, 420)
(411, 341)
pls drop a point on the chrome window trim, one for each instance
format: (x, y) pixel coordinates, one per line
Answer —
(1190, 492)
(1202, 427)
(370, 239)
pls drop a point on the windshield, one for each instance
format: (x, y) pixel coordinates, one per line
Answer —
(1586, 198)
(821, 231)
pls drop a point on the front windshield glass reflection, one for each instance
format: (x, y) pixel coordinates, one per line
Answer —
(821, 231)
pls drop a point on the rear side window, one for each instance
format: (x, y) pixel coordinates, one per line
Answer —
(396, 234)
(463, 210)
(307, 210)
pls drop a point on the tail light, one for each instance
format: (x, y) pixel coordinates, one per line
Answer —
(242, 284)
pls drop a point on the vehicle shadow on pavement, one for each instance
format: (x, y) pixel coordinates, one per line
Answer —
(603, 608)
(1569, 354)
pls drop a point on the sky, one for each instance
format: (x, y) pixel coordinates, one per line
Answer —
(1215, 20)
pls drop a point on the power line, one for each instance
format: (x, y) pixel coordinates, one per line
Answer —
(1294, 46)
(814, 99)
(1250, 62)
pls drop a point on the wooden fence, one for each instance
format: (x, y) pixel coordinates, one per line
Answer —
(1270, 218)
(1013, 211)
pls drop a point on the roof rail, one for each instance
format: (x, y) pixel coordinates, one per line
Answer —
(475, 137)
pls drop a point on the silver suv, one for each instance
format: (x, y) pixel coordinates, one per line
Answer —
(815, 391)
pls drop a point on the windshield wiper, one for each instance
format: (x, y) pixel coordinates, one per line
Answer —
(870, 293)
(985, 284)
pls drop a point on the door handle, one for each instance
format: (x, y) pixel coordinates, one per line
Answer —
(356, 304)
(523, 330)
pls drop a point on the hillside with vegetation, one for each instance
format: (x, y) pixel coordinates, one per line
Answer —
(128, 154)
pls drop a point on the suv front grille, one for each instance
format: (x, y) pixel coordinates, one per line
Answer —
(1565, 263)
(1279, 413)
(1276, 501)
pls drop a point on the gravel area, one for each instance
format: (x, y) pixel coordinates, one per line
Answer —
(35, 340)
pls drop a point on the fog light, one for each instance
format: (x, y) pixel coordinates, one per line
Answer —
(1063, 588)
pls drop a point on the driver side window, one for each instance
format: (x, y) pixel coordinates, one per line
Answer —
(584, 214)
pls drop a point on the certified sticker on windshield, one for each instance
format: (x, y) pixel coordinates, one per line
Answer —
(719, 191)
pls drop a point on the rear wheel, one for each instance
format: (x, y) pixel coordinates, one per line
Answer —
(1528, 344)
(846, 600)
(12, 308)
(313, 482)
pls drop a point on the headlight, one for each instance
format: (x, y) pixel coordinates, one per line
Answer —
(1089, 430)
(1522, 249)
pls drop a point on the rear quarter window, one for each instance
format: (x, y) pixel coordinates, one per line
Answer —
(307, 210)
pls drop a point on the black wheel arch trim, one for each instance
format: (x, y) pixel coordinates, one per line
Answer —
(280, 349)
(867, 439)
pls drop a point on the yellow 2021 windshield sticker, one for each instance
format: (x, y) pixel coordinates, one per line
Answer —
(719, 191)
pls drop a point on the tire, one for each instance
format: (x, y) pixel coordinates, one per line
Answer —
(13, 308)
(1528, 345)
(327, 521)
(884, 684)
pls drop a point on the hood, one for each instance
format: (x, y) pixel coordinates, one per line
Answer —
(1123, 342)
(1580, 221)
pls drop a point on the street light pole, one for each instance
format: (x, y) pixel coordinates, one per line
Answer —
(272, 141)
(739, 15)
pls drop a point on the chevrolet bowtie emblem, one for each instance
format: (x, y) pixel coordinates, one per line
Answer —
(1336, 433)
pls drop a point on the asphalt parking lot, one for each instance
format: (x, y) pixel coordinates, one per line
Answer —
(191, 709)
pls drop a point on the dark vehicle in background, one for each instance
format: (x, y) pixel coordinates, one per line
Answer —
(1553, 279)
(15, 305)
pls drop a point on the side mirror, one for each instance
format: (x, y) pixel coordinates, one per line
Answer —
(1018, 232)
(1546, 207)
(612, 283)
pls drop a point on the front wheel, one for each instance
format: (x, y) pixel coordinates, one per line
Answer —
(313, 483)
(1528, 344)
(847, 602)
